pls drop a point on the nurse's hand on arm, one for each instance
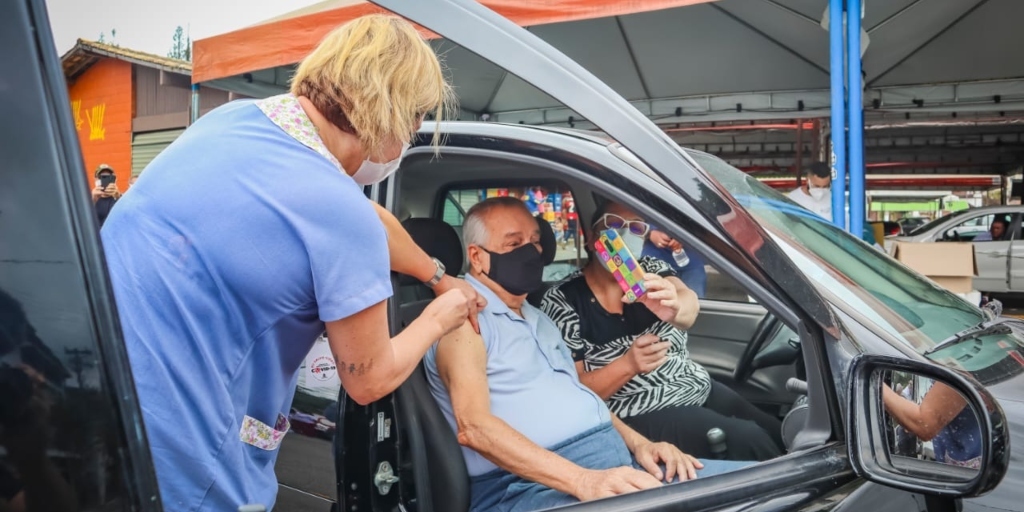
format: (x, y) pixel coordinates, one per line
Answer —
(409, 259)
(462, 365)
(371, 364)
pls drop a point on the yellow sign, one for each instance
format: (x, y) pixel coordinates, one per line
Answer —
(76, 110)
(96, 130)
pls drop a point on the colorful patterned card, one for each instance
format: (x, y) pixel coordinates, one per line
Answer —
(621, 264)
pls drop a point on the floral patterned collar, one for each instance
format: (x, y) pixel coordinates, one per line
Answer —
(286, 112)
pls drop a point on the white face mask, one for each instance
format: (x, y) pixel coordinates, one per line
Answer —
(819, 194)
(634, 243)
(371, 172)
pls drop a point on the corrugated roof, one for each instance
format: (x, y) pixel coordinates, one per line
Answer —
(86, 53)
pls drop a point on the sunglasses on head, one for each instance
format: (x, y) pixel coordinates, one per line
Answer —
(636, 227)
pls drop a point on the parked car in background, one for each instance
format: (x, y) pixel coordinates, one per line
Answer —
(1000, 262)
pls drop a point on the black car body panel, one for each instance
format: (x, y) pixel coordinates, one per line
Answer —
(58, 309)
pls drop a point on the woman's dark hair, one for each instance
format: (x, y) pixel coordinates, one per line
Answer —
(603, 205)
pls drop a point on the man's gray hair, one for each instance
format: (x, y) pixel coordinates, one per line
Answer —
(474, 229)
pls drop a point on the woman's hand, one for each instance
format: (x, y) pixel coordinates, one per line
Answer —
(476, 301)
(662, 298)
(449, 310)
(647, 353)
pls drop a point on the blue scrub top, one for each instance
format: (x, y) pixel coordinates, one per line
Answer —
(235, 246)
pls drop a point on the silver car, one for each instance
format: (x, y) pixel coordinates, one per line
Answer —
(1000, 262)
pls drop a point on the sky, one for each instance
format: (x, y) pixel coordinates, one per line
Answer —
(148, 25)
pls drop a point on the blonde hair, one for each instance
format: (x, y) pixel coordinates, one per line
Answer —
(375, 77)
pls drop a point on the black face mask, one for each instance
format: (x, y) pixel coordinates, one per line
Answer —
(519, 271)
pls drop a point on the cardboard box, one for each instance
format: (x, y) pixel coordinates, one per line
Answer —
(951, 265)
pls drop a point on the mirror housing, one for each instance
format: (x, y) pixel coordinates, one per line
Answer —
(869, 448)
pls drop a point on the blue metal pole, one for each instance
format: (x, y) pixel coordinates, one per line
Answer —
(835, 31)
(856, 111)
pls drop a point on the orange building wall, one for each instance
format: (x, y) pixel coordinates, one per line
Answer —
(102, 105)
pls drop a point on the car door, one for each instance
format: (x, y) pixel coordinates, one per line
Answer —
(992, 256)
(71, 436)
(1016, 254)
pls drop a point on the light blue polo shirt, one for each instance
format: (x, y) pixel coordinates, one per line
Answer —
(235, 246)
(532, 379)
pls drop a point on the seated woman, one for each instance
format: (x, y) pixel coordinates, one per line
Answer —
(634, 355)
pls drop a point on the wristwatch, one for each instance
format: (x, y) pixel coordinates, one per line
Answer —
(438, 274)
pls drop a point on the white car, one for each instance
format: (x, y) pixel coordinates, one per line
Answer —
(1000, 262)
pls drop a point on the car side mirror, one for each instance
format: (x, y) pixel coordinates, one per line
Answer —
(924, 428)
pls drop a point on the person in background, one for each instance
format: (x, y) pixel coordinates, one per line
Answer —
(815, 193)
(688, 265)
(558, 226)
(104, 197)
(995, 232)
(571, 218)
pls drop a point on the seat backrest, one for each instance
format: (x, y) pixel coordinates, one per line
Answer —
(442, 466)
(549, 248)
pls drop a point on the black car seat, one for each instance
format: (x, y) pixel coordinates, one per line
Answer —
(441, 465)
(549, 246)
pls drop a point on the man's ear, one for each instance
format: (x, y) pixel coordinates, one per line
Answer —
(479, 260)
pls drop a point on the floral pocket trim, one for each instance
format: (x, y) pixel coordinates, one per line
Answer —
(256, 433)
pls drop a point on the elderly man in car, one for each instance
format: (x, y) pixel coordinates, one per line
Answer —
(533, 436)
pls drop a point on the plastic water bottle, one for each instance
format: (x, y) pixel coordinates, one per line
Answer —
(681, 258)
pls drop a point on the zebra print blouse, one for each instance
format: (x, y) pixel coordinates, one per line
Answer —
(597, 342)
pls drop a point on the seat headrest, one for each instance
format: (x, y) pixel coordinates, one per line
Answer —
(548, 244)
(437, 239)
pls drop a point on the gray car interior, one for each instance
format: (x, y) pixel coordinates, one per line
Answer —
(717, 340)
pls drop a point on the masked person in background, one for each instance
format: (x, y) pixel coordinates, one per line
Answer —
(815, 193)
(634, 355)
(223, 288)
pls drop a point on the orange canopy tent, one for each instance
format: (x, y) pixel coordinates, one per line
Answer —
(288, 38)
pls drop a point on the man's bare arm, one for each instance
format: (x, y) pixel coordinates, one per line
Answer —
(462, 365)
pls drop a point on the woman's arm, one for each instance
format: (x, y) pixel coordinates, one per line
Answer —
(940, 405)
(370, 363)
(408, 258)
(647, 352)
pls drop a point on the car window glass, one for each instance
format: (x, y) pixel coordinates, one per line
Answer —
(970, 228)
(551, 203)
(900, 301)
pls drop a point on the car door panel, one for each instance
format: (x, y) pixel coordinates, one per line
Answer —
(721, 333)
(77, 422)
(993, 260)
(718, 338)
(1016, 255)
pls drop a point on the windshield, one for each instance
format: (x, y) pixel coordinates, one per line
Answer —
(847, 270)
